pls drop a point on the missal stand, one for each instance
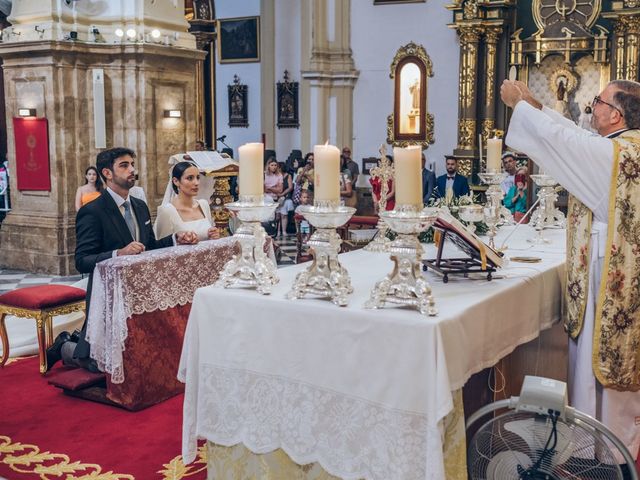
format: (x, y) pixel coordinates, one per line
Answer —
(481, 258)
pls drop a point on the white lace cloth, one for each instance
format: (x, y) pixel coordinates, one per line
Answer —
(154, 280)
(362, 392)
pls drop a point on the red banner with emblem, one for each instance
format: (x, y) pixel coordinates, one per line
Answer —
(32, 153)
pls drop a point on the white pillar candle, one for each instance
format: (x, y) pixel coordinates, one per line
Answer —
(408, 175)
(251, 174)
(494, 155)
(326, 173)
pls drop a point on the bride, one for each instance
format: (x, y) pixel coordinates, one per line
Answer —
(184, 212)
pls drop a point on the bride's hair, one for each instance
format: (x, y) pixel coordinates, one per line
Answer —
(178, 171)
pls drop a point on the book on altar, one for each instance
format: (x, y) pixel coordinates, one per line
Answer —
(465, 239)
(210, 161)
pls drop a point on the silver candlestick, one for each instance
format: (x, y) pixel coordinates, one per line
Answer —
(495, 213)
(406, 285)
(252, 268)
(383, 172)
(547, 214)
(325, 277)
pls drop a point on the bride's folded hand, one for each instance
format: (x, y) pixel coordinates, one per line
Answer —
(186, 238)
(213, 233)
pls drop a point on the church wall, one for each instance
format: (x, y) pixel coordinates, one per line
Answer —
(250, 75)
(377, 32)
(288, 55)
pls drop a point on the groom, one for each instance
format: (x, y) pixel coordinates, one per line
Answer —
(114, 224)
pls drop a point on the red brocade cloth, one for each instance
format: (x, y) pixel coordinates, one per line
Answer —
(151, 358)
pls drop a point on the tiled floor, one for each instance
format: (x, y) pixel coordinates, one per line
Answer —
(12, 279)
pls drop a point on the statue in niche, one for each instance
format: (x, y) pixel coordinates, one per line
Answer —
(562, 106)
(414, 89)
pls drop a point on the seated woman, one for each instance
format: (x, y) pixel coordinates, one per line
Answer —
(376, 190)
(91, 189)
(273, 180)
(516, 198)
(184, 212)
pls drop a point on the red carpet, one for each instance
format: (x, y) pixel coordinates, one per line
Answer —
(50, 435)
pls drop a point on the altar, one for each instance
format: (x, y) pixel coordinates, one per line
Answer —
(363, 393)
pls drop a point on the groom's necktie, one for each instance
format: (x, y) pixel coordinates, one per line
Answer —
(128, 218)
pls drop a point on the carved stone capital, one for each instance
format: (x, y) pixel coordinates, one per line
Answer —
(492, 35)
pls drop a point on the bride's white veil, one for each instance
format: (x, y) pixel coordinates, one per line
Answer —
(206, 183)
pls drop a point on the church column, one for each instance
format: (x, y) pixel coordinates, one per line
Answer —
(63, 79)
(632, 38)
(492, 36)
(204, 31)
(467, 98)
(618, 50)
(328, 75)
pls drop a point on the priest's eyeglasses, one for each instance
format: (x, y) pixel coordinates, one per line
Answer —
(597, 100)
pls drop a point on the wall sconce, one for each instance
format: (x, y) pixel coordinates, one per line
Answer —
(131, 33)
(27, 112)
(155, 33)
(172, 113)
(119, 32)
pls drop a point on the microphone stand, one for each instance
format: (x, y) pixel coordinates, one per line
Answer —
(222, 142)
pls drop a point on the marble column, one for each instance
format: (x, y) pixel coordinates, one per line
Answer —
(140, 82)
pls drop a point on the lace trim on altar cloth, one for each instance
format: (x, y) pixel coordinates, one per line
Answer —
(349, 437)
(136, 284)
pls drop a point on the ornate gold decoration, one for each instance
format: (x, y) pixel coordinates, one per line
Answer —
(469, 38)
(24, 458)
(44, 327)
(465, 166)
(588, 12)
(486, 130)
(632, 3)
(572, 79)
(470, 10)
(428, 128)
(619, 56)
(176, 469)
(491, 36)
(412, 50)
(466, 133)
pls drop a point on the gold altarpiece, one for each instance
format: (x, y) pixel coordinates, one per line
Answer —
(491, 43)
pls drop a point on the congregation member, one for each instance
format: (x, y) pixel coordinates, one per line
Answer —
(516, 198)
(376, 191)
(428, 181)
(451, 184)
(347, 191)
(602, 312)
(91, 189)
(273, 181)
(284, 199)
(351, 165)
(510, 166)
(184, 212)
(114, 224)
(304, 178)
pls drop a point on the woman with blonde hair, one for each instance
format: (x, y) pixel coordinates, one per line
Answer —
(184, 212)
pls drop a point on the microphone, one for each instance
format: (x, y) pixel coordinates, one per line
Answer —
(221, 139)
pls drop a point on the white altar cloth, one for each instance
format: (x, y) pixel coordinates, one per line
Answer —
(362, 392)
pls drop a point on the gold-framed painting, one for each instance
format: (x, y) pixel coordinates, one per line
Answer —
(239, 40)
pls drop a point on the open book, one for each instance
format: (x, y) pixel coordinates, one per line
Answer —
(465, 239)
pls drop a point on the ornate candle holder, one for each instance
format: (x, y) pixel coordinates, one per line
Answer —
(405, 285)
(471, 214)
(495, 213)
(252, 268)
(547, 214)
(325, 277)
(383, 172)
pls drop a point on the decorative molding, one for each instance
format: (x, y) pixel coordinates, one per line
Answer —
(466, 133)
(429, 128)
(411, 50)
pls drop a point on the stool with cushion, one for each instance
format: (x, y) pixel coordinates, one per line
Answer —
(41, 303)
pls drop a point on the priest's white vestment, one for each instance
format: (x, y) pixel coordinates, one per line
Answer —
(582, 162)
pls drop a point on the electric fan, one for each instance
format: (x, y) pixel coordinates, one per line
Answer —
(541, 438)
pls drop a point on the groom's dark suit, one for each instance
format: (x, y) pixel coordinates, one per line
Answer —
(101, 229)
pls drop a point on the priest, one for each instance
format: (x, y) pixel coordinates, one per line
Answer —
(602, 299)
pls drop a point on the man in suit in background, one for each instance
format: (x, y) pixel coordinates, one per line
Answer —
(114, 224)
(451, 181)
(428, 181)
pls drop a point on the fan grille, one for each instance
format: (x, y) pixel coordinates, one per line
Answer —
(508, 446)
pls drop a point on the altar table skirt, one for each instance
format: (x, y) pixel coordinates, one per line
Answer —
(151, 358)
(237, 462)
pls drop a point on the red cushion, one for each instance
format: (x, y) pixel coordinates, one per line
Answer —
(76, 379)
(42, 296)
(363, 220)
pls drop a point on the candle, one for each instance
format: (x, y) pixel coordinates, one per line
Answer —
(494, 154)
(408, 175)
(251, 174)
(326, 173)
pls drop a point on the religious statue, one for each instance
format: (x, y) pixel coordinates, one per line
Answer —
(414, 89)
(562, 106)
